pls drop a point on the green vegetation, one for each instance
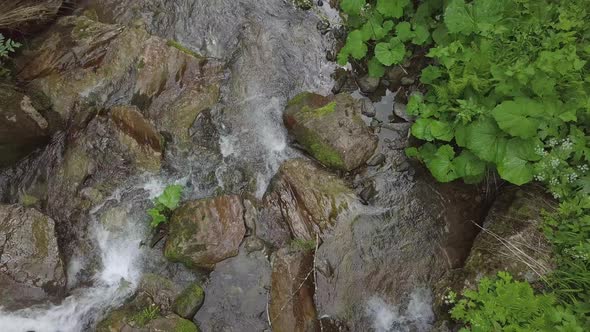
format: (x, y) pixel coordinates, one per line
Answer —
(165, 204)
(507, 91)
(183, 49)
(384, 31)
(7, 46)
(145, 316)
(507, 305)
(303, 245)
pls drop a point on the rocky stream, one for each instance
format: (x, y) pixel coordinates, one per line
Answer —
(300, 211)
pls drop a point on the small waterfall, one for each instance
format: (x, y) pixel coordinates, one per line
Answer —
(417, 316)
(121, 258)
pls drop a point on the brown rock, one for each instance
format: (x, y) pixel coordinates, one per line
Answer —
(291, 294)
(205, 232)
(304, 197)
(31, 268)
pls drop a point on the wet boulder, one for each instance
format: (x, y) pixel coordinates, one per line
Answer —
(27, 16)
(330, 129)
(204, 232)
(139, 137)
(26, 123)
(189, 301)
(237, 294)
(292, 290)
(81, 64)
(303, 201)
(135, 320)
(156, 290)
(31, 268)
(510, 240)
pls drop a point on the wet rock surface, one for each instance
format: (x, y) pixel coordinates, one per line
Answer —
(82, 65)
(302, 202)
(189, 301)
(236, 294)
(204, 232)
(26, 123)
(412, 231)
(292, 292)
(330, 129)
(31, 268)
(511, 240)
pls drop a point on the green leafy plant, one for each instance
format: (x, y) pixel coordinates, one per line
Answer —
(379, 33)
(7, 46)
(165, 204)
(504, 304)
(508, 91)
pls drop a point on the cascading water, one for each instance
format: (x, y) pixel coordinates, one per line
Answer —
(271, 52)
(121, 258)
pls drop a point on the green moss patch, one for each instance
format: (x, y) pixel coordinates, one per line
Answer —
(183, 49)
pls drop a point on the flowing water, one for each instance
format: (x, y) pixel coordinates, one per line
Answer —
(271, 52)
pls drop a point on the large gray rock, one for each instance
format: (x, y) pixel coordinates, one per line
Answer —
(81, 64)
(27, 16)
(237, 294)
(31, 268)
(291, 306)
(204, 232)
(303, 201)
(25, 123)
(331, 129)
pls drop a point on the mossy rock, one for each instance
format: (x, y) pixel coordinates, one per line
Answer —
(330, 129)
(189, 301)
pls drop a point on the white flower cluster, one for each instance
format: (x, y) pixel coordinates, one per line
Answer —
(583, 168)
(555, 162)
(553, 142)
(540, 151)
(567, 144)
(576, 254)
(539, 177)
(449, 299)
(572, 177)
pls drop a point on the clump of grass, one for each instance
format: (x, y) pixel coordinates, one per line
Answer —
(304, 245)
(146, 315)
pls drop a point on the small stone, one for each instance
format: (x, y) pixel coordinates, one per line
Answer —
(368, 84)
(377, 159)
(407, 81)
(399, 109)
(189, 301)
(367, 108)
(375, 123)
(368, 192)
(252, 244)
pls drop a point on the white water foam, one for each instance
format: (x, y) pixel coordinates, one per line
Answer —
(417, 316)
(121, 257)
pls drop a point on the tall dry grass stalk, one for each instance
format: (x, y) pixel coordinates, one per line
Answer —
(16, 14)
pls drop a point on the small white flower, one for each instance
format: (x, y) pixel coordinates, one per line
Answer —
(572, 177)
(566, 144)
(583, 168)
(540, 151)
(554, 162)
(552, 142)
(553, 182)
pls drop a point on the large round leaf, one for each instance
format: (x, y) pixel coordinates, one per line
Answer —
(390, 53)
